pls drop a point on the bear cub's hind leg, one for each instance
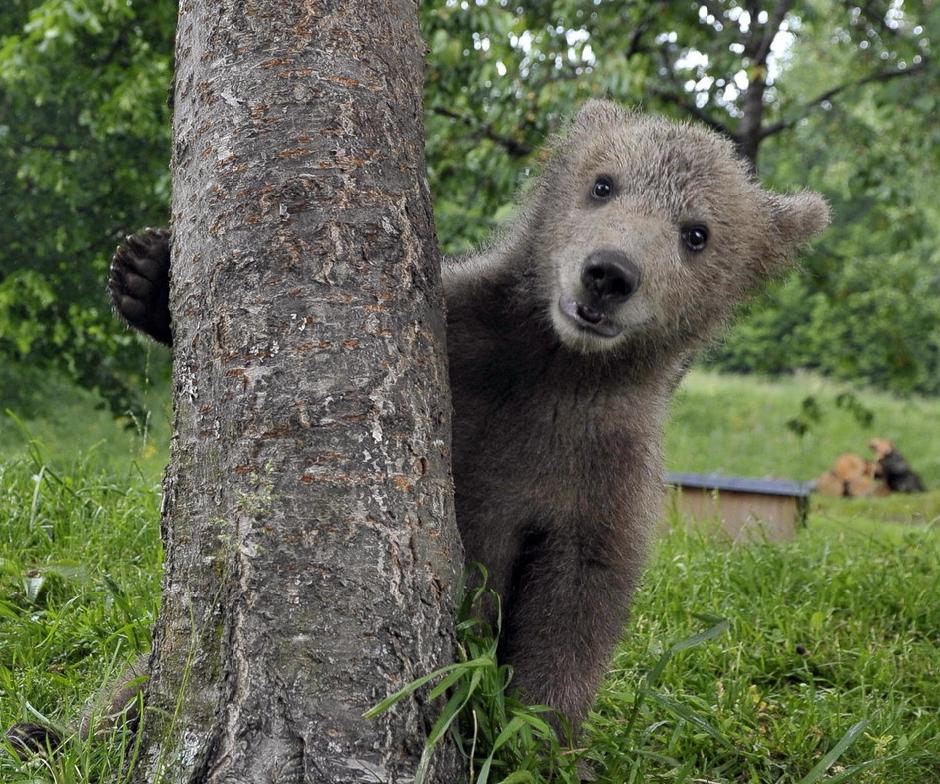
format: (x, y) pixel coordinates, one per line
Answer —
(139, 283)
(563, 621)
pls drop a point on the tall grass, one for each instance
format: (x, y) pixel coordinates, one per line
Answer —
(808, 661)
(833, 628)
(79, 580)
(798, 663)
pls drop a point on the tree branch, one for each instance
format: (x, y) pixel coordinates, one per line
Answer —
(119, 42)
(679, 97)
(770, 30)
(828, 95)
(515, 147)
(683, 102)
(715, 10)
(636, 43)
(44, 146)
(876, 19)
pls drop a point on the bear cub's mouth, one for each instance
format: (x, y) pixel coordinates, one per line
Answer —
(588, 318)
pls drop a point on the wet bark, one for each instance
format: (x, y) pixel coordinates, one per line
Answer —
(311, 551)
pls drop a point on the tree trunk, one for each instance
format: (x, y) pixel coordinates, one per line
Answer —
(311, 553)
(748, 136)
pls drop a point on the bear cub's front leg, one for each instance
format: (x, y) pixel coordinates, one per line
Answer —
(139, 283)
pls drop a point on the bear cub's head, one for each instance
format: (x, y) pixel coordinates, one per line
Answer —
(649, 232)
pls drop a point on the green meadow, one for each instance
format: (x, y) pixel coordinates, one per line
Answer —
(816, 659)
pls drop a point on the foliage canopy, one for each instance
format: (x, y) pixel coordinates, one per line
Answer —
(832, 95)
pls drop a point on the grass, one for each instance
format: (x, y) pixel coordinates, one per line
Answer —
(837, 626)
(79, 585)
(737, 425)
(783, 649)
(71, 422)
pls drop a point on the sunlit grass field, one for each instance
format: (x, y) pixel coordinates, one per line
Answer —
(822, 661)
(737, 425)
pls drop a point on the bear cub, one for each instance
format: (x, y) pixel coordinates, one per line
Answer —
(566, 338)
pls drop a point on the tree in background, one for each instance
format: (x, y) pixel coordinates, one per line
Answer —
(84, 147)
(867, 306)
(853, 85)
(502, 74)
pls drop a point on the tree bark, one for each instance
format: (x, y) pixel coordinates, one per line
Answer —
(311, 552)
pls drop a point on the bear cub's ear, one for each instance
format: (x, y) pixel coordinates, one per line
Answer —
(798, 217)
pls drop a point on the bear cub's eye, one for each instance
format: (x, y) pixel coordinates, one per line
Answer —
(603, 189)
(695, 238)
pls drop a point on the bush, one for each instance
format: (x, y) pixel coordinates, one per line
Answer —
(876, 321)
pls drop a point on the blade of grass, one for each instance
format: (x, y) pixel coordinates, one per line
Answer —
(820, 768)
(453, 709)
(681, 711)
(515, 725)
(653, 676)
(384, 705)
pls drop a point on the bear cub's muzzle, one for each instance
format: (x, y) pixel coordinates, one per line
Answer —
(608, 279)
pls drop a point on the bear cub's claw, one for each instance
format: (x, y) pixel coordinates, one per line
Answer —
(139, 283)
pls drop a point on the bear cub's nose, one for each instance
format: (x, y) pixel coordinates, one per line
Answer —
(609, 277)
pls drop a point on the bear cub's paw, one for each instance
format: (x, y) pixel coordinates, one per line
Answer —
(140, 283)
(28, 739)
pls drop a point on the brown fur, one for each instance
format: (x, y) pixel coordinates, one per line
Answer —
(557, 430)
